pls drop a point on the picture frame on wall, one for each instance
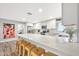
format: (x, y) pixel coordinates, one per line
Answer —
(8, 30)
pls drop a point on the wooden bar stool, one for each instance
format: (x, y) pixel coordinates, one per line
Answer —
(25, 43)
(49, 54)
(28, 49)
(37, 51)
(24, 50)
(20, 50)
(17, 46)
(20, 47)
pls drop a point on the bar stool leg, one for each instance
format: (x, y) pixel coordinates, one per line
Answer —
(23, 51)
(19, 50)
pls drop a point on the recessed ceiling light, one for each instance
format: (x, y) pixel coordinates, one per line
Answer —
(40, 10)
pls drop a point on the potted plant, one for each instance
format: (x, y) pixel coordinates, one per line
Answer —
(70, 31)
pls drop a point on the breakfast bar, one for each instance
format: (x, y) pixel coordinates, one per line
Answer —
(50, 43)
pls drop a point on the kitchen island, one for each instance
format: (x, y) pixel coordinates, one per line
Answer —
(50, 43)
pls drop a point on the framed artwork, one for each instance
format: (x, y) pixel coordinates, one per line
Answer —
(8, 30)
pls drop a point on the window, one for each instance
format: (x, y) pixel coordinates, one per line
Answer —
(60, 27)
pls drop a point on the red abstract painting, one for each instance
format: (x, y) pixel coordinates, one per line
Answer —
(8, 30)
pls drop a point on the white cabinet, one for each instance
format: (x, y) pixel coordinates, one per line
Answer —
(51, 24)
(37, 26)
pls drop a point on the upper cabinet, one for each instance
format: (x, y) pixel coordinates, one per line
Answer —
(51, 24)
(37, 26)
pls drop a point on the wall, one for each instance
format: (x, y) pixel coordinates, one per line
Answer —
(78, 25)
(6, 21)
(69, 13)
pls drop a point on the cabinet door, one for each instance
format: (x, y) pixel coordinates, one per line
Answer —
(51, 24)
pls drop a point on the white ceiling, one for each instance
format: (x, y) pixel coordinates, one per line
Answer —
(18, 11)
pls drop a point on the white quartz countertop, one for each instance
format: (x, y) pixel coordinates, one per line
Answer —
(8, 40)
(51, 43)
